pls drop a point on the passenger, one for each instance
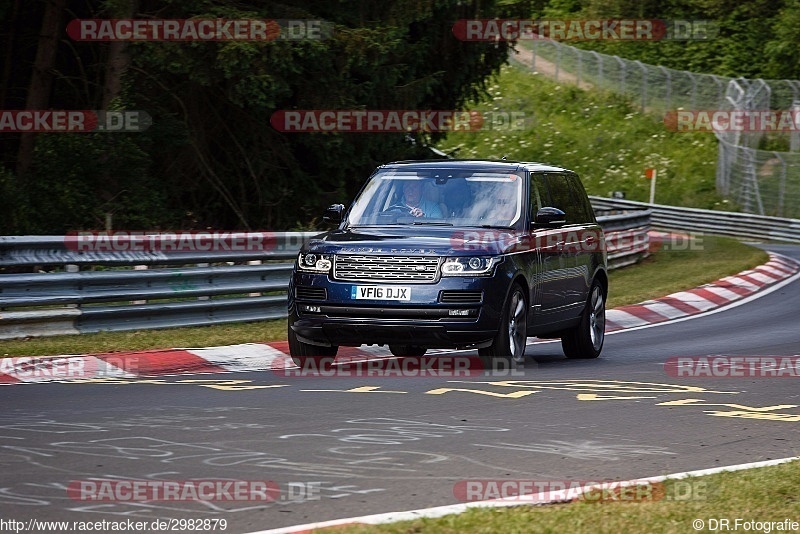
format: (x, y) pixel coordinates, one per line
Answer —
(505, 211)
(458, 200)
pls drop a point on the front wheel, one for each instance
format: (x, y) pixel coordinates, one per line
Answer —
(307, 356)
(585, 341)
(509, 344)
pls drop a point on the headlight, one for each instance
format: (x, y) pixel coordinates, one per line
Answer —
(474, 266)
(315, 263)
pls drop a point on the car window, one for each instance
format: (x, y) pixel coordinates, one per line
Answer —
(455, 198)
(560, 195)
(537, 186)
(581, 206)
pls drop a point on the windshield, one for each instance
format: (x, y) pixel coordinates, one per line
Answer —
(439, 198)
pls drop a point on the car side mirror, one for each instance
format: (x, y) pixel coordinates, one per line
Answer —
(333, 214)
(550, 218)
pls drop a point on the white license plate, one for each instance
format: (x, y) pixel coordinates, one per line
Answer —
(380, 293)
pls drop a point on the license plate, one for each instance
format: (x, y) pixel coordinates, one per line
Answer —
(380, 293)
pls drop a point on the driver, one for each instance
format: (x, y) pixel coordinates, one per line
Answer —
(418, 206)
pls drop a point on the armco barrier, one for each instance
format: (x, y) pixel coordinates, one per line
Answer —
(740, 225)
(142, 287)
(87, 291)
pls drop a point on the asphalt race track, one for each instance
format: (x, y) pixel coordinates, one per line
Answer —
(357, 445)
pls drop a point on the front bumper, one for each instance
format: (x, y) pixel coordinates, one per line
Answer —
(424, 320)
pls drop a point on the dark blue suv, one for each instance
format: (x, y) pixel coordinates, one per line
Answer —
(454, 254)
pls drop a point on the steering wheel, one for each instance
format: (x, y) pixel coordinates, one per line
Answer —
(398, 208)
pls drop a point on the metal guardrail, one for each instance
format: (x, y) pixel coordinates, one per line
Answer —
(52, 285)
(626, 231)
(739, 225)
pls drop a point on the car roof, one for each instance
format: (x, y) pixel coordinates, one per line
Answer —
(482, 165)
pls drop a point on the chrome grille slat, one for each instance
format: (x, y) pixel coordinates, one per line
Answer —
(352, 267)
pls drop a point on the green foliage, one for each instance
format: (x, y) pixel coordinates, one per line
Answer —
(603, 137)
(80, 178)
(211, 158)
(757, 38)
(783, 51)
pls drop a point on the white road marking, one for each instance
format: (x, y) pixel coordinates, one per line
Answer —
(538, 499)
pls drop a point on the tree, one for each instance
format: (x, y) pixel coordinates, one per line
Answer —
(211, 157)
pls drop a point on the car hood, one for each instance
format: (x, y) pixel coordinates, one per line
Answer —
(416, 241)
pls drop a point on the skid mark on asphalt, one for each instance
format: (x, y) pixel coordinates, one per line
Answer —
(587, 390)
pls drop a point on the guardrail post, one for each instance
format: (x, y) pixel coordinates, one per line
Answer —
(72, 268)
(139, 268)
(204, 297)
(254, 262)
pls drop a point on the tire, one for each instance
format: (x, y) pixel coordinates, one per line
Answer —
(508, 346)
(310, 357)
(585, 341)
(407, 350)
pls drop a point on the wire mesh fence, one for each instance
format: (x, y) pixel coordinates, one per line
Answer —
(758, 180)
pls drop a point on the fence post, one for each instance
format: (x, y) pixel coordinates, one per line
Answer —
(558, 59)
(621, 63)
(668, 78)
(781, 186)
(720, 91)
(599, 67)
(644, 84)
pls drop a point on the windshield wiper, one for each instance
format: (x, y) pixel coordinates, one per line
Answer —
(424, 223)
(497, 226)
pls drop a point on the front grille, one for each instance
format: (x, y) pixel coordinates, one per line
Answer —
(385, 268)
(310, 293)
(452, 296)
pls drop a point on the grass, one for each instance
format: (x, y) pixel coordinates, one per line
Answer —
(687, 264)
(665, 272)
(765, 494)
(606, 139)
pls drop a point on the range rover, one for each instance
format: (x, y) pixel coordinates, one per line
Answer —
(460, 254)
